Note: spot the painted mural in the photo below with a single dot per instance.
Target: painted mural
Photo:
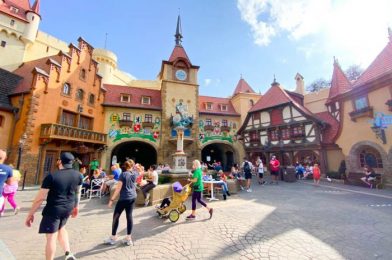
(135, 128)
(217, 131)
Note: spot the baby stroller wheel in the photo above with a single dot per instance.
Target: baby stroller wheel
(174, 215)
(182, 208)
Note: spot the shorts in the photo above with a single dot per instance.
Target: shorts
(275, 173)
(261, 174)
(51, 224)
(248, 175)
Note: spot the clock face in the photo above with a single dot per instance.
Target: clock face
(181, 75)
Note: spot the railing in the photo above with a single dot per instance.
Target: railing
(363, 112)
(123, 122)
(63, 132)
(225, 128)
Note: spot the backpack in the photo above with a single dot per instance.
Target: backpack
(247, 167)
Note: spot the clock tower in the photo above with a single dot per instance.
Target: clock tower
(179, 88)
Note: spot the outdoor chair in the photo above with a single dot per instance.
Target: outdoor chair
(96, 188)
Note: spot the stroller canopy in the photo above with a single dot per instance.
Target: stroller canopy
(177, 187)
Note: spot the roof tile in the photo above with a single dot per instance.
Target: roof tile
(8, 82)
(332, 130)
(339, 83)
(243, 87)
(216, 108)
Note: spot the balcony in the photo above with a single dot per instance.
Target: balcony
(63, 132)
(148, 124)
(123, 122)
(208, 128)
(363, 112)
(225, 128)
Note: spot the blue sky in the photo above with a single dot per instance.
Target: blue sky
(227, 38)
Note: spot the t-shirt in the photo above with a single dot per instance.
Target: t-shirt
(274, 164)
(5, 174)
(154, 176)
(62, 186)
(94, 165)
(260, 166)
(116, 173)
(198, 185)
(128, 189)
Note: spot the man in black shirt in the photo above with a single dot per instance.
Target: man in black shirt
(62, 193)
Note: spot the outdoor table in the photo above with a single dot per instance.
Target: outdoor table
(212, 188)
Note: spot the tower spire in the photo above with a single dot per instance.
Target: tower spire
(178, 34)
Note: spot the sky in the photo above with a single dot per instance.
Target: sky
(229, 39)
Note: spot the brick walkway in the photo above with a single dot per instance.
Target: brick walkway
(285, 221)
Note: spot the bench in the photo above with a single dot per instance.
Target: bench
(156, 195)
(354, 178)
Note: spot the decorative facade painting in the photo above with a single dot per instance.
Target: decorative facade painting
(217, 130)
(134, 128)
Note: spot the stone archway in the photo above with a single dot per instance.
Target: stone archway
(139, 151)
(353, 161)
(219, 152)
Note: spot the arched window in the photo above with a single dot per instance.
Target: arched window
(91, 99)
(66, 89)
(370, 156)
(82, 75)
(80, 94)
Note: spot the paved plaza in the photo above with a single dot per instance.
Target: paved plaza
(285, 221)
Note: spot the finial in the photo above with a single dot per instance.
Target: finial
(106, 39)
(274, 79)
(390, 34)
(178, 34)
(241, 76)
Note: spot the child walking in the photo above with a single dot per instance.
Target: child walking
(9, 192)
(316, 174)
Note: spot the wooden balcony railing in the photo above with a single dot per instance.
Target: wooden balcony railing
(63, 132)
(225, 128)
(123, 122)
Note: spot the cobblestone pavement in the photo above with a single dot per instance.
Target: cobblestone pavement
(285, 221)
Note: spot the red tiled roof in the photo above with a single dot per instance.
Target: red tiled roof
(216, 108)
(113, 97)
(22, 5)
(340, 83)
(332, 130)
(273, 97)
(36, 6)
(243, 87)
(381, 65)
(179, 52)
(26, 71)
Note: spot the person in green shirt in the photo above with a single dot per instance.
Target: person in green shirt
(197, 190)
(94, 164)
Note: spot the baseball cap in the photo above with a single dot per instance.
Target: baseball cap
(67, 159)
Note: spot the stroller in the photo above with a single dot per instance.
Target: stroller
(177, 206)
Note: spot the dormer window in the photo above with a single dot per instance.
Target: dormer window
(223, 107)
(361, 103)
(146, 100)
(208, 106)
(14, 9)
(66, 89)
(125, 98)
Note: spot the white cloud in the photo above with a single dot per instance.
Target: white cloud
(354, 30)
(207, 82)
(211, 82)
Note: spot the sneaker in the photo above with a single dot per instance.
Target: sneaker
(69, 256)
(264, 182)
(224, 197)
(228, 193)
(109, 241)
(127, 242)
(191, 217)
(329, 179)
(242, 188)
(157, 207)
(249, 190)
(16, 211)
(211, 211)
(146, 202)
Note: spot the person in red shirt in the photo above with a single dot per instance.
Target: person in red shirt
(316, 174)
(275, 169)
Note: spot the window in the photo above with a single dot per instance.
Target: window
(126, 116)
(224, 122)
(80, 94)
(371, 157)
(146, 100)
(67, 118)
(208, 121)
(91, 99)
(297, 131)
(209, 106)
(14, 9)
(3, 43)
(66, 89)
(85, 122)
(12, 22)
(254, 137)
(285, 133)
(1, 121)
(361, 103)
(148, 118)
(274, 135)
(223, 107)
(251, 103)
(82, 74)
(125, 98)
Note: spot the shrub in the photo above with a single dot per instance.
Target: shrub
(164, 179)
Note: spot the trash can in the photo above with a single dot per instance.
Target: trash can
(289, 174)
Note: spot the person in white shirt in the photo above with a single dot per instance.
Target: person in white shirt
(260, 170)
(152, 181)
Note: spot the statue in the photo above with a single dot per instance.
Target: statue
(181, 118)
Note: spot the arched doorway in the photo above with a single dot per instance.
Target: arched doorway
(140, 152)
(219, 152)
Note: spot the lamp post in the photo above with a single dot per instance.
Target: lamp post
(22, 141)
